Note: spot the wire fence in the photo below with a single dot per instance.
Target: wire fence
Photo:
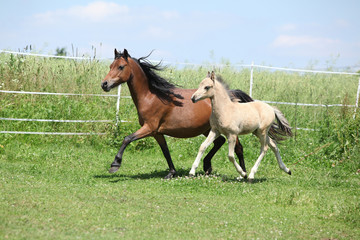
(118, 95)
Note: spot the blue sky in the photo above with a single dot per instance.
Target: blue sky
(278, 33)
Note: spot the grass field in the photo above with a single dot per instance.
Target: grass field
(57, 187)
(58, 190)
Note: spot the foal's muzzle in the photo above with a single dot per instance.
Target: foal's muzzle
(193, 99)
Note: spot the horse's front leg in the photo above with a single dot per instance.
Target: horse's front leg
(144, 131)
(217, 145)
(165, 150)
(213, 134)
(218, 142)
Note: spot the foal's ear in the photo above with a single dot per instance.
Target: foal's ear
(208, 75)
(212, 76)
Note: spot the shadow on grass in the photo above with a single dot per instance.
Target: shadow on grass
(181, 173)
(225, 178)
(117, 177)
(257, 180)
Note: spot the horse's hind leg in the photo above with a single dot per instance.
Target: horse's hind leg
(240, 153)
(275, 149)
(207, 159)
(263, 149)
(165, 150)
(232, 141)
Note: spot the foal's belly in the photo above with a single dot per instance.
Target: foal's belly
(234, 127)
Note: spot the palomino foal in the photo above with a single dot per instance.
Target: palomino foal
(232, 118)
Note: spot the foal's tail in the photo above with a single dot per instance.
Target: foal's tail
(280, 129)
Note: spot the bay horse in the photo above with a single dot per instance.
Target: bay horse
(231, 119)
(163, 108)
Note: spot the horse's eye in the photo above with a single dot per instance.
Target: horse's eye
(207, 88)
(121, 67)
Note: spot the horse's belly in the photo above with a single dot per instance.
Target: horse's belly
(187, 121)
(185, 132)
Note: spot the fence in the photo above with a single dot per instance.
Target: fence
(64, 121)
(118, 96)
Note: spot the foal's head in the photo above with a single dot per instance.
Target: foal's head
(206, 88)
(119, 73)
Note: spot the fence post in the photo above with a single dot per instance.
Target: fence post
(357, 99)
(118, 105)
(251, 78)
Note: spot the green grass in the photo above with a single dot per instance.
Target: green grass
(57, 187)
(62, 190)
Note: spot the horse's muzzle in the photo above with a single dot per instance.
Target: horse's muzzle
(105, 86)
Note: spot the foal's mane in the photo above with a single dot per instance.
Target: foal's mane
(226, 87)
(157, 84)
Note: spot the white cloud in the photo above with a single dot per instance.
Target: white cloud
(170, 14)
(286, 41)
(98, 11)
(342, 23)
(288, 27)
(313, 47)
(93, 12)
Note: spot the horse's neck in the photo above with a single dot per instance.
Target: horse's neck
(138, 85)
(220, 101)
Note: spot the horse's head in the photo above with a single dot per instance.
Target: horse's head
(206, 88)
(119, 73)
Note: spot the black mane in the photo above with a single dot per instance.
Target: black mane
(157, 84)
(235, 95)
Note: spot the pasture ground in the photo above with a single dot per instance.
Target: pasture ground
(59, 188)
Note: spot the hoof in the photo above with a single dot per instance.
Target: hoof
(250, 180)
(113, 169)
(170, 175)
(208, 172)
(191, 175)
(289, 172)
(239, 178)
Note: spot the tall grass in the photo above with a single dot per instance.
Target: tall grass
(21, 73)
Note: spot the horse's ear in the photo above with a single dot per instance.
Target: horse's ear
(126, 54)
(212, 76)
(208, 75)
(116, 53)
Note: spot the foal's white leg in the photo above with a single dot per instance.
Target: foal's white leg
(232, 142)
(213, 134)
(263, 149)
(275, 149)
